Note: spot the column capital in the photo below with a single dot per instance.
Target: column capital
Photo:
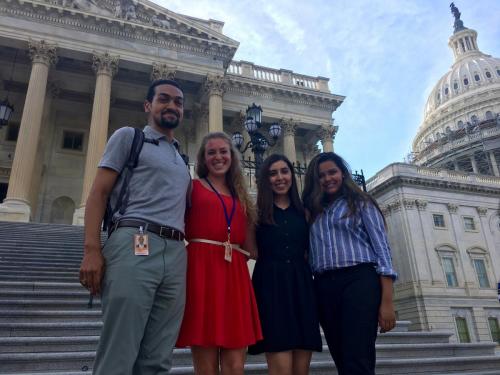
(289, 127)
(215, 84)
(327, 133)
(104, 63)
(481, 211)
(421, 204)
(162, 71)
(42, 52)
(452, 207)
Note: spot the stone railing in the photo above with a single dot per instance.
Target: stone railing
(431, 152)
(280, 76)
(410, 170)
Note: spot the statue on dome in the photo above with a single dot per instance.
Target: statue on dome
(459, 24)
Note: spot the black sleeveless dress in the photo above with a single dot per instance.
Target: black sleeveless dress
(283, 286)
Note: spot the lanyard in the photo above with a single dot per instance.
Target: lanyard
(229, 218)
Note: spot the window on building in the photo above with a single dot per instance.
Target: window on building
(488, 74)
(72, 140)
(438, 221)
(482, 275)
(476, 77)
(462, 329)
(474, 119)
(455, 85)
(466, 81)
(12, 132)
(469, 223)
(460, 124)
(494, 329)
(449, 271)
(498, 72)
(446, 91)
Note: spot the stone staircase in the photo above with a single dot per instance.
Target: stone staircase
(46, 326)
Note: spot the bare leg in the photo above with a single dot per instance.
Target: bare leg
(280, 363)
(301, 362)
(232, 361)
(205, 360)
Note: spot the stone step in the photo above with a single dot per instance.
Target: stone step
(50, 329)
(48, 293)
(41, 316)
(50, 304)
(39, 285)
(82, 361)
(428, 350)
(39, 265)
(41, 257)
(33, 269)
(71, 277)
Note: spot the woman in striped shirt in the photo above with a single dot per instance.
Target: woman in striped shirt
(351, 261)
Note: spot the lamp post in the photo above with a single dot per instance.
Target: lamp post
(258, 142)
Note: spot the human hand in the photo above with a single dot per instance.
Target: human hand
(92, 271)
(386, 317)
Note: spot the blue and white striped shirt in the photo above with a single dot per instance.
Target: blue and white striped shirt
(338, 241)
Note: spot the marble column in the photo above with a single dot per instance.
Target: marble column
(474, 164)
(455, 165)
(162, 71)
(105, 66)
(327, 135)
(17, 206)
(494, 164)
(289, 127)
(214, 87)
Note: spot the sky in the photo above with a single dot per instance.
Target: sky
(384, 56)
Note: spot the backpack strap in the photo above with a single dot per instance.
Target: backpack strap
(132, 161)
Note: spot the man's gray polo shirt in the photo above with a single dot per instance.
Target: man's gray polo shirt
(158, 186)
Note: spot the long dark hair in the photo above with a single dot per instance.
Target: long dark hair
(265, 195)
(313, 196)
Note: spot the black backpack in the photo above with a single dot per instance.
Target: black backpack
(133, 159)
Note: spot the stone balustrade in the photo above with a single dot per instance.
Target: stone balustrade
(413, 171)
(281, 76)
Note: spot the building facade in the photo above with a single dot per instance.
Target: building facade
(443, 211)
(76, 70)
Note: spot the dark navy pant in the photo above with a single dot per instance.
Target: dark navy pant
(348, 303)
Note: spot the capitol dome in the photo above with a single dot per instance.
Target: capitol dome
(461, 126)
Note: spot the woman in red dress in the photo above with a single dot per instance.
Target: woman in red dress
(221, 316)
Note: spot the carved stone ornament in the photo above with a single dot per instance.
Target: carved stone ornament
(53, 89)
(452, 207)
(395, 205)
(481, 211)
(42, 52)
(386, 210)
(409, 203)
(215, 85)
(421, 204)
(89, 6)
(289, 127)
(162, 71)
(105, 63)
(327, 133)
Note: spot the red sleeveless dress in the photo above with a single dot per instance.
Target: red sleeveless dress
(220, 303)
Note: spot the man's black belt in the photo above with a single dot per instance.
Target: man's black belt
(165, 232)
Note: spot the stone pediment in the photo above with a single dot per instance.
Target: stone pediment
(148, 14)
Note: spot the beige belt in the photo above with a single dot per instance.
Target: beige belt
(233, 245)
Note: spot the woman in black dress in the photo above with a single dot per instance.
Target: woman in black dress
(282, 278)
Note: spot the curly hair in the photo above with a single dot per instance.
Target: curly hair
(234, 176)
(265, 195)
(313, 196)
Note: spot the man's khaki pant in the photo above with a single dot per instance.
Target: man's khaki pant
(142, 303)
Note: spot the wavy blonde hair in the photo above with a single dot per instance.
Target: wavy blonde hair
(234, 176)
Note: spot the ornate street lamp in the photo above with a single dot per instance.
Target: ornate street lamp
(6, 110)
(258, 142)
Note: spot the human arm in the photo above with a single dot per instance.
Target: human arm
(386, 314)
(92, 266)
(250, 244)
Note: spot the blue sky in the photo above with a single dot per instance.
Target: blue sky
(383, 55)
